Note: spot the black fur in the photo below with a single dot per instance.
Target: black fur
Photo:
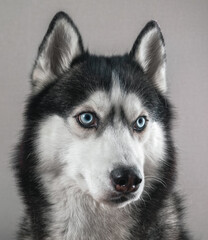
(88, 73)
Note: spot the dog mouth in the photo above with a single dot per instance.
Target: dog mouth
(119, 199)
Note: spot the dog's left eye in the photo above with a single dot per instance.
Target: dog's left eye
(140, 123)
(87, 120)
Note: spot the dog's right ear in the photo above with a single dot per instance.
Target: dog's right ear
(61, 44)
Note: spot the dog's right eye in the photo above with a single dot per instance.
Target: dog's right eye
(87, 120)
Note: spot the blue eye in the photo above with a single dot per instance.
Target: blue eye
(140, 123)
(87, 120)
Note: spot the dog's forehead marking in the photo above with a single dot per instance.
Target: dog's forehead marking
(117, 94)
(117, 99)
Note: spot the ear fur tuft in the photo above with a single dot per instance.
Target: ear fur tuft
(149, 52)
(61, 44)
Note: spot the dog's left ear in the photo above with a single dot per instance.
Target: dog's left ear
(61, 44)
(149, 51)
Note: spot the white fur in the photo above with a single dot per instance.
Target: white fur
(143, 58)
(142, 50)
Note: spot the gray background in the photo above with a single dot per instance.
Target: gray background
(110, 27)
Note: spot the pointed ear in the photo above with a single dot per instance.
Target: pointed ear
(61, 44)
(149, 51)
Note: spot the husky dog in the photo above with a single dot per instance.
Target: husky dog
(96, 159)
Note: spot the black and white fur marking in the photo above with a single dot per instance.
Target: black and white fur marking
(67, 173)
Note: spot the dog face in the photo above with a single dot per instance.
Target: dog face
(99, 121)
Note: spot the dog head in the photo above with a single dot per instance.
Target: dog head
(99, 122)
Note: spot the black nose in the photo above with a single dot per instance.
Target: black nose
(125, 179)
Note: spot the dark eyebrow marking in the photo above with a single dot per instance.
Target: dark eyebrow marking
(108, 120)
(125, 121)
(110, 116)
(123, 117)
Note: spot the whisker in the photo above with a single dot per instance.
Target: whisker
(145, 192)
(156, 179)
